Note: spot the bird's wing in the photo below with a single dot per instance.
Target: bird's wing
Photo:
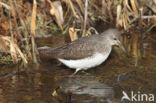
(75, 51)
(78, 49)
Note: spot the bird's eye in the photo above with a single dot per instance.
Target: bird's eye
(115, 39)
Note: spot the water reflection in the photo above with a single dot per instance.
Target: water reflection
(104, 84)
(86, 85)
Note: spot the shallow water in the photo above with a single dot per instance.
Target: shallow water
(50, 83)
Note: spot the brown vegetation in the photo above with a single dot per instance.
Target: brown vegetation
(21, 21)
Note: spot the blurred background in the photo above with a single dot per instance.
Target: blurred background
(26, 25)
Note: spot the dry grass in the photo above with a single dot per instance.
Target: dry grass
(33, 19)
(73, 34)
(22, 21)
(55, 10)
(8, 46)
(33, 30)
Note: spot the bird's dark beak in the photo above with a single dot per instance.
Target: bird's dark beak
(123, 49)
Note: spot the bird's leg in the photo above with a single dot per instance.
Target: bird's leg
(76, 71)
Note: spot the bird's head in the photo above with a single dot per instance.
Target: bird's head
(113, 37)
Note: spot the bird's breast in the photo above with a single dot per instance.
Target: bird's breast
(87, 62)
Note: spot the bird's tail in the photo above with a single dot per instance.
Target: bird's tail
(46, 52)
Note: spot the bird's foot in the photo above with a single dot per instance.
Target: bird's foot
(85, 72)
(77, 70)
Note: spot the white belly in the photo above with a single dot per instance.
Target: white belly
(86, 63)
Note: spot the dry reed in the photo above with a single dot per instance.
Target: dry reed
(70, 15)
